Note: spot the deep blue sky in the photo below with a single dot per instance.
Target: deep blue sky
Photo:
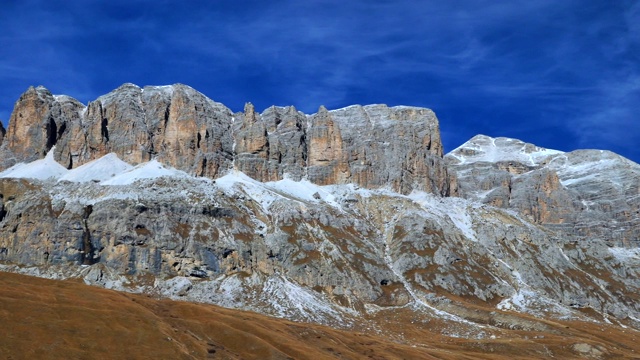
(560, 74)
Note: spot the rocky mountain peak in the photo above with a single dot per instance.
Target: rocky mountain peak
(482, 148)
(250, 114)
(574, 192)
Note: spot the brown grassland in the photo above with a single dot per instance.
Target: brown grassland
(49, 319)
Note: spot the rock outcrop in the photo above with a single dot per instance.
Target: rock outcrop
(583, 194)
(372, 146)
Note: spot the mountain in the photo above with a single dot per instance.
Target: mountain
(345, 218)
(588, 194)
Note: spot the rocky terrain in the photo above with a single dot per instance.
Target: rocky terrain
(587, 194)
(351, 218)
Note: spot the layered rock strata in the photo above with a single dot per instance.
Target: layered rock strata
(372, 146)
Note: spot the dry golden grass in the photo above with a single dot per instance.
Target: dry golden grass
(47, 319)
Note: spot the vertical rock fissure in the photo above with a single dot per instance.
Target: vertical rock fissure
(87, 251)
(3, 212)
(167, 113)
(61, 130)
(203, 167)
(104, 129)
(52, 134)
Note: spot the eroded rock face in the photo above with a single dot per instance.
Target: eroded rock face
(577, 193)
(372, 146)
(378, 145)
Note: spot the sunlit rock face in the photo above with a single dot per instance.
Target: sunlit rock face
(583, 193)
(372, 146)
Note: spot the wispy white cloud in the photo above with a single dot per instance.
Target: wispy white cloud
(483, 63)
(611, 118)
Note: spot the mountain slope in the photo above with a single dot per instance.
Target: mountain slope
(48, 319)
(326, 254)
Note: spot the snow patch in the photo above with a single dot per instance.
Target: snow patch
(149, 170)
(303, 190)
(267, 193)
(42, 169)
(236, 181)
(291, 300)
(624, 255)
(100, 169)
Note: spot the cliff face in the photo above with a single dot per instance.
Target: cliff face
(176, 124)
(372, 146)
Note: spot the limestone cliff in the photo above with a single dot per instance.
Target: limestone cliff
(372, 146)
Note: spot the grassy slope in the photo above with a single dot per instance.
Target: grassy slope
(47, 319)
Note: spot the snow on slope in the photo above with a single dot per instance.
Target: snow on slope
(100, 169)
(109, 169)
(42, 169)
(594, 166)
(267, 193)
(483, 148)
(255, 189)
(149, 170)
(275, 295)
(625, 255)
